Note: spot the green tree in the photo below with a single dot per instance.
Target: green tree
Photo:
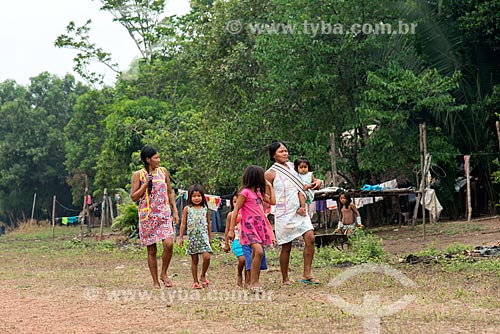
(83, 136)
(141, 18)
(32, 143)
(397, 101)
(129, 125)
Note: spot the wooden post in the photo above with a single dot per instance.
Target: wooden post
(111, 213)
(436, 218)
(84, 209)
(103, 211)
(468, 196)
(53, 217)
(424, 175)
(33, 207)
(497, 123)
(421, 187)
(333, 158)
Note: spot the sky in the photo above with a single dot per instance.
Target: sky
(28, 29)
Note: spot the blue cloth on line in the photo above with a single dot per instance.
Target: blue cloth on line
(368, 187)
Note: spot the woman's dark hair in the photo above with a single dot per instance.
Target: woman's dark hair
(273, 147)
(348, 200)
(147, 152)
(198, 188)
(253, 177)
(234, 194)
(300, 160)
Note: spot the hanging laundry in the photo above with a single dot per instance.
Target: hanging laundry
(213, 202)
(368, 187)
(331, 204)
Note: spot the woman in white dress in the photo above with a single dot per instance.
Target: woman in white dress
(289, 224)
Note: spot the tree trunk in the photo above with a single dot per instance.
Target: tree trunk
(492, 199)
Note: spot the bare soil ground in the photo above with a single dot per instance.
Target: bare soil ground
(46, 287)
(406, 239)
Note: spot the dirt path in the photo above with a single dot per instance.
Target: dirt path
(38, 311)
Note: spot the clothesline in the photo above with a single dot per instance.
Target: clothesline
(66, 207)
(461, 155)
(68, 220)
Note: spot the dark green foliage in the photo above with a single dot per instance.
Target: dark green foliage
(128, 220)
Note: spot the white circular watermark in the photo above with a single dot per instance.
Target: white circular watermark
(371, 309)
(234, 27)
(91, 293)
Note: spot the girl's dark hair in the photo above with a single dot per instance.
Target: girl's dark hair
(348, 199)
(198, 188)
(253, 177)
(273, 147)
(147, 152)
(233, 195)
(300, 160)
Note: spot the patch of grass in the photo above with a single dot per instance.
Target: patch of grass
(472, 228)
(430, 250)
(366, 247)
(456, 249)
(453, 230)
(465, 263)
(454, 258)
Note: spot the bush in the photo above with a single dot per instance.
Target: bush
(366, 247)
(128, 220)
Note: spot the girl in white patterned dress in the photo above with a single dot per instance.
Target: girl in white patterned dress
(196, 218)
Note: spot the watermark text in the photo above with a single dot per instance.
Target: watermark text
(314, 29)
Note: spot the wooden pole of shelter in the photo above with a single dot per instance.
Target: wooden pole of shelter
(497, 123)
(425, 166)
(111, 213)
(84, 209)
(53, 217)
(33, 207)
(105, 207)
(103, 211)
(421, 187)
(103, 215)
(468, 200)
(424, 175)
(333, 159)
(434, 200)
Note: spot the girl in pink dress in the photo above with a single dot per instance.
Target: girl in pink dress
(255, 229)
